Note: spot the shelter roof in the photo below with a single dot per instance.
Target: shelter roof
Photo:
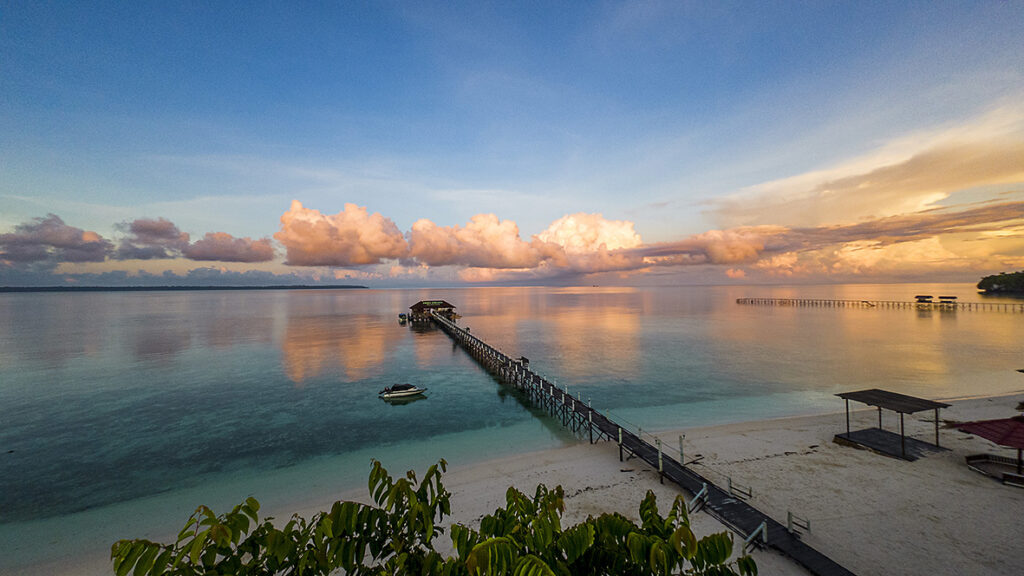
(892, 401)
(1005, 431)
(424, 304)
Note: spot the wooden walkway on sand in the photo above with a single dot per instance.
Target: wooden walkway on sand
(941, 306)
(581, 417)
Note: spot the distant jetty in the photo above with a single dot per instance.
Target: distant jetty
(1005, 283)
(172, 288)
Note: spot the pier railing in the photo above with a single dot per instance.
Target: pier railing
(1012, 307)
(579, 416)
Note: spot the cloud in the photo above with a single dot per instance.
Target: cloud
(578, 233)
(734, 246)
(49, 241)
(902, 177)
(493, 250)
(224, 247)
(149, 239)
(352, 237)
(988, 217)
(485, 242)
(932, 241)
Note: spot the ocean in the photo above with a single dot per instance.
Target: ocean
(120, 412)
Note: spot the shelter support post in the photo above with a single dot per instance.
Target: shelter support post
(847, 417)
(903, 438)
(936, 426)
(879, 417)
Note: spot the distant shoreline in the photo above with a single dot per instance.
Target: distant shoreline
(171, 288)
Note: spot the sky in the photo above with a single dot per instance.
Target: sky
(421, 143)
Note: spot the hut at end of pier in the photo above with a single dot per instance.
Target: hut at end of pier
(421, 311)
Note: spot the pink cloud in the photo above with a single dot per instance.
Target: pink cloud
(223, 247)
(150, 239)
(50, 240)
(734, 246)
(352, 237)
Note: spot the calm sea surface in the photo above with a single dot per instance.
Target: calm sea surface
(120, 412)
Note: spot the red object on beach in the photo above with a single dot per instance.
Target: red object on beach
(1005, 431)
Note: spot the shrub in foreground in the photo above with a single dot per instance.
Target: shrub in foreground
(395, 536)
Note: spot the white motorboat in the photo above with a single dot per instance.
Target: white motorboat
(401, 391)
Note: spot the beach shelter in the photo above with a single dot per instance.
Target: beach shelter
(898, 445)
(1007, 432)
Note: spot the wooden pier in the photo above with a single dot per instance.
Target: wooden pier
(579, 416)
(940, 306)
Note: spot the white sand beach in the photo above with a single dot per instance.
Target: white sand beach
(871, 513)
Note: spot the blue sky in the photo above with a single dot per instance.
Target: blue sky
(217, 116)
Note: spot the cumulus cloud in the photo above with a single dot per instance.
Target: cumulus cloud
(49, 241)
(485, 242)
(582, 232)
(590, 243)
(223, 247)
(493, 250)
(576, 243)
(149, 239)
(352, 237)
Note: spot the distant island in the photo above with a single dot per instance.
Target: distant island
(173, 288)
(1012, 283)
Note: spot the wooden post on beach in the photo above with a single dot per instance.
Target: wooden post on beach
(682, 461)
(903, 438)
(590, 424)
(661, 466)
(620, 443)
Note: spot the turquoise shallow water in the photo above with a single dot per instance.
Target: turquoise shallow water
(120, 412)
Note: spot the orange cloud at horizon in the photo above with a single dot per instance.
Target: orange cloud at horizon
(903, 177)
(979, 236)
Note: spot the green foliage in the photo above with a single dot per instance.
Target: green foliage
(395, 536)
(1010, 283)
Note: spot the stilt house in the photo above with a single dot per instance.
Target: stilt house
(420, 311)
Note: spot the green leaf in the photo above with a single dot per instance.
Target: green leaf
(196, 548)
(684, 542)
(145, 561)
(639, 547)
(128, 560)
(575, 541)
(531, 565)
(746, 565)
(653, 523)
(161, 562)
(493, 556)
